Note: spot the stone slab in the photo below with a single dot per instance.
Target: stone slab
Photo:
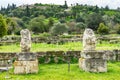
(26, 57)
(25, 67)
(93, 54)
(93, 65)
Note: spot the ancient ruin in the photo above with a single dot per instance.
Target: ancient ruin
(26, 62)
(89, 40)
(25, 43)
(91, 60)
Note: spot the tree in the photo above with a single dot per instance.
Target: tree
(65, 5)
(3, 26)
(51, 21)
(14, 25)
(37, 25)
(106, 7)
(94, 20)
(59, 29)
(117, 28)
(102, 29)
(80, 27)
(27, 11)
(71, 24)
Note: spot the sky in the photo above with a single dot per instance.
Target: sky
(113, 4)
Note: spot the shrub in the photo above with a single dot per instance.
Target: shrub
(59, 29)
(80, 27)
(116, 29)
(37, 25)
(102, 29)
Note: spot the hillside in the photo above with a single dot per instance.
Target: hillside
(76, 17)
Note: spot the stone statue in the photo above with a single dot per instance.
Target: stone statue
(89, 40)
(25, 43)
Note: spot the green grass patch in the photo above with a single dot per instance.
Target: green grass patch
(60, 72)
(36, 47)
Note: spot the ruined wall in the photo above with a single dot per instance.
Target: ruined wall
(56, 56)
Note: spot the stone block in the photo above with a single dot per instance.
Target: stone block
(26, 56)
(93, 54)
(93, 65)
(25, 67)
(110, 55)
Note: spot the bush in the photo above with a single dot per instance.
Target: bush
(102, 29)
(37, 25)
(59, 29)
(80, 27)
(117, 28)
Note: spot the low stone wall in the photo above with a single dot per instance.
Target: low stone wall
(49, 40)
(55, 39)
(59, 56)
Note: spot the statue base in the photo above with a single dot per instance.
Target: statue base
(26, 63)
(93, 61)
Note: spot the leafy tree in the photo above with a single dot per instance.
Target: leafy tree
(65, 5)
(94, 20)
(3, 26)
(27, 11)
(117, 18)
(102, 29)
(117, 28)
(80, 27)
(51, 21)
(71, 24)
(14, 25)
(107, 7)
(79, 19)
(37, 25)
(59, 29)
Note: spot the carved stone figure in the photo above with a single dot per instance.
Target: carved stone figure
(89, 40)
(91, 60)
(25, 40)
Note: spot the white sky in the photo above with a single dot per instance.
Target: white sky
(111, 3)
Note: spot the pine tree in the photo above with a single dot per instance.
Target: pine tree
(66, 6)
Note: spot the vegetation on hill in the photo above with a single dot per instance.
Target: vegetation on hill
(28, 16)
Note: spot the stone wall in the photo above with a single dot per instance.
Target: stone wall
(56, 56)
(54, 40)
(49, 40)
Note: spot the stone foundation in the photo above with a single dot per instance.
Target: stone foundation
(93, 61)
(26, 63)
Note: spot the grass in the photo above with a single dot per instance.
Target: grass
(60, 72)
(50, 47)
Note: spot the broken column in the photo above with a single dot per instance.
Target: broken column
(91, 60)
(26, 61)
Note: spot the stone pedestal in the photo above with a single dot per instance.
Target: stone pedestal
(93, 61)
(26, 63)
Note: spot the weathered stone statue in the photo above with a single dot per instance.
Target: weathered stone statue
(25, 43)
(26, 62)
(91, 60)
(89, 40)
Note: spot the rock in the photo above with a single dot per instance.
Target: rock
(25, 43)
(89, 40)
